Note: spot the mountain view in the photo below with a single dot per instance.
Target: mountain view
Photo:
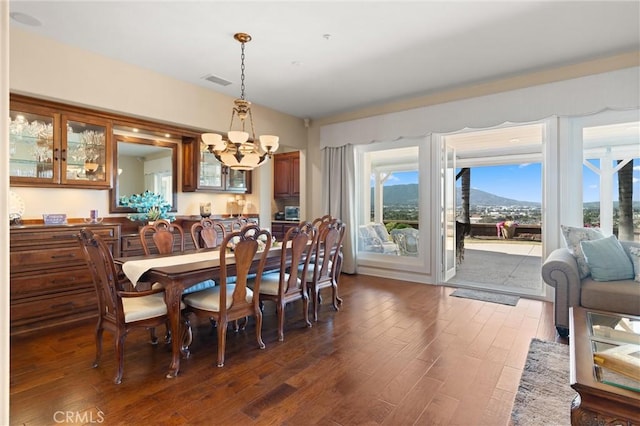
(408, 195)
(401, 203)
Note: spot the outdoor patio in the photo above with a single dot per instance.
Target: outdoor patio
(508, 265)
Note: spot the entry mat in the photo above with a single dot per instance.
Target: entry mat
(486, 296)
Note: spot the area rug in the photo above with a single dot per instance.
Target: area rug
(486, 296)
(544, 395)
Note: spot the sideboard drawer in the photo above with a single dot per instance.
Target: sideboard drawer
(46, 258)
(36, 313)
(29, 285)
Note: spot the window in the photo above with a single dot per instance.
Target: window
(390, 208)
(611, 179)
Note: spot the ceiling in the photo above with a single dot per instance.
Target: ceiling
(317, 59)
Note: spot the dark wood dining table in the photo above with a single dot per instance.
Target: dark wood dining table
(178, 277)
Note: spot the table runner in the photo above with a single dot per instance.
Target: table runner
(134, 269)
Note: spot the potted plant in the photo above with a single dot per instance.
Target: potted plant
(149, 205)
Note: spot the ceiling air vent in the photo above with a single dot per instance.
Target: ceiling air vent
(216, 80)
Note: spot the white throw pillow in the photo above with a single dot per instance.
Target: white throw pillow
(635, 258)
(572, 238)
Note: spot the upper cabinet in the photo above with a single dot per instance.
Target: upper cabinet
(52, 147)
(201, 171)
(286, 175)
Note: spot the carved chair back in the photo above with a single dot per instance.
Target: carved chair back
(241, 222)
(163, 234)
(205, 233)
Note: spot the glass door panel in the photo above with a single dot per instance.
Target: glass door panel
(210, 170)
(84, 152)
(32, 146)
(449, 212)
(236, 180)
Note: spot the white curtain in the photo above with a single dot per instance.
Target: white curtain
(338, 195)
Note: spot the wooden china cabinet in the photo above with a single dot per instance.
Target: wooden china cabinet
(50, 146)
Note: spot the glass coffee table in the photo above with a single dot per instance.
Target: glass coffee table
(605, 367)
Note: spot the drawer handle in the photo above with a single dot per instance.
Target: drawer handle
(63, 256)
(63, 305)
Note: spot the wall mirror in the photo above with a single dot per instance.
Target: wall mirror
(144, 164)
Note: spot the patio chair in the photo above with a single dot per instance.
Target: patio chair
(375, 238)
(407, 240)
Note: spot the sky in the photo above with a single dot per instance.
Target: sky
(523, 182)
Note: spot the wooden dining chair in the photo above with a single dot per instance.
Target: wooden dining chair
(285, 285)
(231, 302)
(241, 222)
(322, 271)
(205, 234)
(317, 222)
(163, 234)
(120, 311)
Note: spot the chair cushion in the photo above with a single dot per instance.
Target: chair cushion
(572, 238)
(310, 270)
(270, 283)
(607, 259)
(144, 307)
(368, 234)
(200, 286)
(613, 296)
(381, 231)
(209, 299)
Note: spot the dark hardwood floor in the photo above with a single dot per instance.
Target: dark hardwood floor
(397, 353)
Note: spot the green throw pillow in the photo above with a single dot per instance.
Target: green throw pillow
(607, 259)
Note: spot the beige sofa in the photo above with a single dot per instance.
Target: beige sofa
(560, 271)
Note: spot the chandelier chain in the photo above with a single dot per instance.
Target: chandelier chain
(242, 72)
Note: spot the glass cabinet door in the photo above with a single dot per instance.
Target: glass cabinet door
(33, 146)
(85, 158)
(237, 180)
(210, 170)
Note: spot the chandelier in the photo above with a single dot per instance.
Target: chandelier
(237, 151)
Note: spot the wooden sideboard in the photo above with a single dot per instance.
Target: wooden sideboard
(50, 283)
